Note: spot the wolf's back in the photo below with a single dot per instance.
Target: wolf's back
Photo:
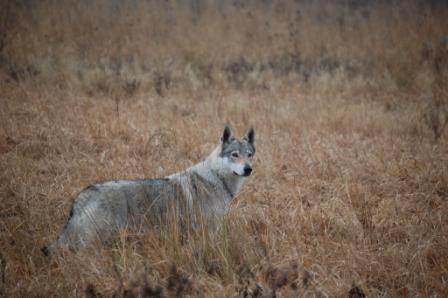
(101, 209)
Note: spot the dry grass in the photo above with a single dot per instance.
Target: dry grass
(349, 191)
(102, 46)
(349, 196)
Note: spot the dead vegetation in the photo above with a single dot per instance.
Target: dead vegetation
(349, 195)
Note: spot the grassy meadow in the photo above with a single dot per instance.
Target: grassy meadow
(349, 100)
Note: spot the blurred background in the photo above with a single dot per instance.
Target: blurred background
(161, 46)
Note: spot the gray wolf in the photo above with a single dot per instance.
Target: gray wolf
(199, 194)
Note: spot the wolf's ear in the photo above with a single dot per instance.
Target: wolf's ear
(226, 135)
(250, 136)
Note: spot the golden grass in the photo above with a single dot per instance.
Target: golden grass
(346, 192)
(349, 192)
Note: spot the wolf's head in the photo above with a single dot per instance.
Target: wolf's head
(236, 155)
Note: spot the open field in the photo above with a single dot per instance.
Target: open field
(349, 195)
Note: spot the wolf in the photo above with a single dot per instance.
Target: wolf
(200, 194)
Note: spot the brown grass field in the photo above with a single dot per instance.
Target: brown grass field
(349, 100)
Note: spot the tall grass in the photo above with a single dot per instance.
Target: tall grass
(348, 99)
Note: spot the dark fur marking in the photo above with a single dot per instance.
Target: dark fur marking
(162, 179)
(70, 215)
(150, 179)
(226, 136)
(45, 251)
(227, 188)
(92, 187)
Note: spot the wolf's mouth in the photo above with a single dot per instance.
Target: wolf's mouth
(241, 175)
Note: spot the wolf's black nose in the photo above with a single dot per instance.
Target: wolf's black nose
(247, 171)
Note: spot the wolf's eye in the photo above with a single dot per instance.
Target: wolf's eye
(250, 154)
(235, 154)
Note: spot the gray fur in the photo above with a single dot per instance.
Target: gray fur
(201, 193)
(243, 147)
